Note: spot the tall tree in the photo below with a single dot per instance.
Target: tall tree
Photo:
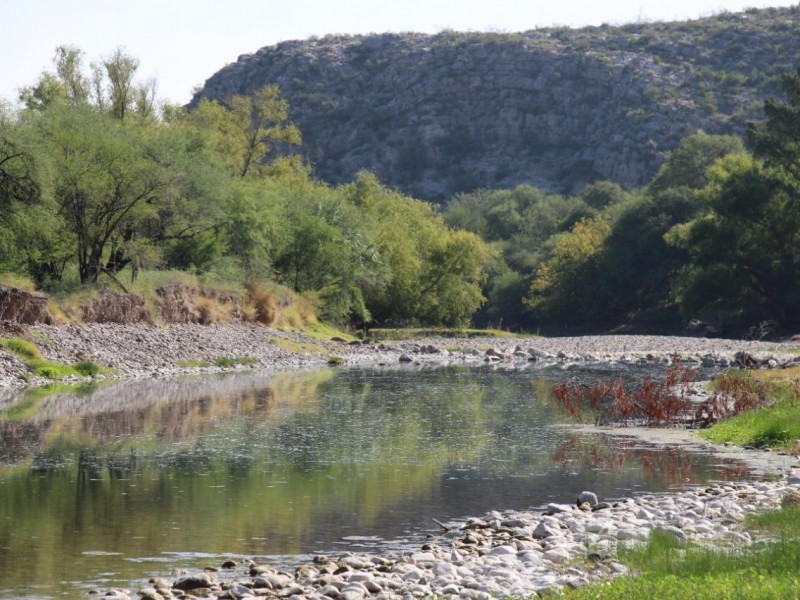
(120, 70)
(105, 180)
(248, 127)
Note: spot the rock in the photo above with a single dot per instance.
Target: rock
(791, 498)
(553, 509)
(193, 582)
(228, 564)
(503, 551)
(405, 358)
(589, 497)
(239, 592)
(543, 531)
(557, 555)
(150, 594)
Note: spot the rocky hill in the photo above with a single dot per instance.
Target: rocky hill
(557, 107)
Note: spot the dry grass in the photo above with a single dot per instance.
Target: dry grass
(261, 304)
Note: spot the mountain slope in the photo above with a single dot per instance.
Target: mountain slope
(558, 108)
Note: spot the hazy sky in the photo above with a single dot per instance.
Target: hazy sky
(183, 42)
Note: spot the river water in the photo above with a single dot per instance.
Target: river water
(108, 486)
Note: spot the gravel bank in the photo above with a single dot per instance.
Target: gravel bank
(141, 350)
(512, 554)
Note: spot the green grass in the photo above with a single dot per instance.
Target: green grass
(297, 347)
(668, 571)
(192, 364)
(29, 354)
(423, 332)
(232, 362)
(325, 332)
(776, 426)
(23, 349)
(768, 427)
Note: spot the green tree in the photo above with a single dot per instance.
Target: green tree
(687, 165)
(565, 290)
(247, 128)
(777, 139)
(744, 263)
(105, 180)
(120, 69)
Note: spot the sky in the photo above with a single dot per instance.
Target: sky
(181, 42)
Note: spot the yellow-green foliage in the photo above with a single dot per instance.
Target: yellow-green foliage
(297, 347)
(377, 333)
(24, 349)
(17, 281)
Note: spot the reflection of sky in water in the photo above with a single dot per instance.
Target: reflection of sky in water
(131, 480)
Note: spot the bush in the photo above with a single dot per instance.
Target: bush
(87, 368)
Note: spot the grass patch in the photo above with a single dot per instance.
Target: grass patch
(325, 332)
(18, 281)
(232, 362)
(297, 347)
(768, 427)
(192, 364)
(412, 333)
(29, 354)
(775, 426)
(336, 360)
(22, 349)
(667, 571)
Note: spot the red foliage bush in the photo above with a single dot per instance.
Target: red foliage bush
(653, 403)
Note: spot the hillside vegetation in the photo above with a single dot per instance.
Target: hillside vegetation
(101, 186)
(557, 108)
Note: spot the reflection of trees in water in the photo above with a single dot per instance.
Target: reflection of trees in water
(674, 464)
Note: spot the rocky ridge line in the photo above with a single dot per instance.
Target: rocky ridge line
(554, 107)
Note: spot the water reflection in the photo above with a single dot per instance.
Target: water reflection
(113, 484)
(673, 465)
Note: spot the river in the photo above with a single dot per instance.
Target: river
(104, 486)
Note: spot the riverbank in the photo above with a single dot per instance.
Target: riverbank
(511, 554)
(147, 351)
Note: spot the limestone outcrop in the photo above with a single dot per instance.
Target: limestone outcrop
(437, 114)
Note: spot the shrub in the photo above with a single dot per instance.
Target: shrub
(652, 403)
(263, 303)
(87, 368)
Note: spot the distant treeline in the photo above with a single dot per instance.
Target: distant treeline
(714, 237)
(98, 181)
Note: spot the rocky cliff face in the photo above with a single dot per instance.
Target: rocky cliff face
(557, 108)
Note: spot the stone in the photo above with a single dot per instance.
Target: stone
(557, 555)
(543, 531)
(150, 594)
(589, 497)
(554, 509)
(193, 582)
